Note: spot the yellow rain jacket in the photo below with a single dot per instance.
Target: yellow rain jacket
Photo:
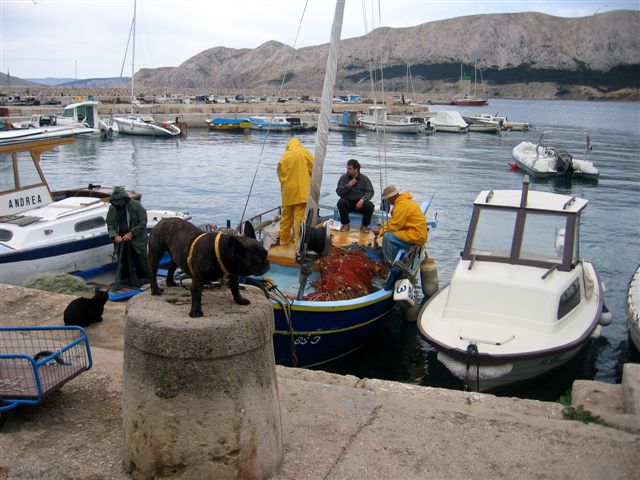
(294, 172)
(407, 221)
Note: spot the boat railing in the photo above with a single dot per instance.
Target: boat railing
(86, 207)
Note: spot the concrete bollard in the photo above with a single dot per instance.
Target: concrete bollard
(200, 395)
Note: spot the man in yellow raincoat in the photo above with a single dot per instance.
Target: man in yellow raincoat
(294, 172)
(407, 225)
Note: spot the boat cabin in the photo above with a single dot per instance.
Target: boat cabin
(525, 228)
(22, 183)
(82, 112)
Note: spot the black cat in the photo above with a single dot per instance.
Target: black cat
(85, 311)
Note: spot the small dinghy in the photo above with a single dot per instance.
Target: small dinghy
(521, 300)
(548, 161)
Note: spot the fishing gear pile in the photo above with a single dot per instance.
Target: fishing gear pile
(346, 275)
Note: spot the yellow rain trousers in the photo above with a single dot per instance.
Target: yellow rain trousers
(294, 172)
(407, 221)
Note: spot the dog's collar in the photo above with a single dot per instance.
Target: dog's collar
(190, 256)
(217, 249)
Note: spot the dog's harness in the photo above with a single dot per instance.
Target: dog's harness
(217, 251)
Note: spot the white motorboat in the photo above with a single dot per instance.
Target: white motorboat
(86, 113)
(145, 125)
(540, 160)
(633, 308)
(504, 122)
(449, 121)
(482, 125)
(83, 114)
(44, 231)
(277, 123)
(521, 301)
(377, 119)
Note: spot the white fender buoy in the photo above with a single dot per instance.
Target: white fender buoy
(429, 277)
(605, 316)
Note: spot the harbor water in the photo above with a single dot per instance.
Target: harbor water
(220, 176)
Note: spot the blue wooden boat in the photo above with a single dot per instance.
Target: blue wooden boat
(313, 332)
(316, 323)
(229, 124)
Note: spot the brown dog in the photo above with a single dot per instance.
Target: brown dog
(238, 255)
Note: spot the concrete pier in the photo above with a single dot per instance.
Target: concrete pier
(200, 396)
(333, 427)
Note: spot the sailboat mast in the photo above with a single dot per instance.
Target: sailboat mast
(133, 52)
(322, 134)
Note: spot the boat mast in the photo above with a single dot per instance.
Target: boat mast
(322, 135)
(133, 52)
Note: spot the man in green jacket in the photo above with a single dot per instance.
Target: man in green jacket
(127, 226)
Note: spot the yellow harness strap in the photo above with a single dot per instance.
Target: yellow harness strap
(217, 247)
(189, 257)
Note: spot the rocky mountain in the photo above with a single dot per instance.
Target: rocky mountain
(109, 82)
(600, 51)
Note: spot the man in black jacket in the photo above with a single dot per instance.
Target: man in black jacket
(355, 192)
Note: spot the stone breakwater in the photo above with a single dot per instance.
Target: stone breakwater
(195, 114)
(334, 427)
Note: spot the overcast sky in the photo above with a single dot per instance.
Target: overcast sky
(88, 38)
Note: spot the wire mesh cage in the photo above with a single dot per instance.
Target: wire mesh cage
(35, 361)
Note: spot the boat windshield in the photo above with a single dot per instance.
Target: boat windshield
(542, 238)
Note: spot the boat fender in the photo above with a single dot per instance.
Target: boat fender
(429, 277)
(513, 166)
(404, 294)
(605, 316)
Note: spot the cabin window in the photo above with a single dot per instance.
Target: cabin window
(543, 238)
(90, 224)
(494, 233)
(569, 299)
(28, 174)
(7, 180)
(5, 235)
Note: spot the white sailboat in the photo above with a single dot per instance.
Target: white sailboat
(144, 125)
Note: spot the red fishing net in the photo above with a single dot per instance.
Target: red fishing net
(345, 275)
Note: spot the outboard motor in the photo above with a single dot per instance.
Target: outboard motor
(564, 163)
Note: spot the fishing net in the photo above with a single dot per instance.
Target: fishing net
(346, 274)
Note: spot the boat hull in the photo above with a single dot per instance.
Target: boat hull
(633, 309)
(129, 127)
(470, 103)
(322, 332)
(73, 252)
(399, 127)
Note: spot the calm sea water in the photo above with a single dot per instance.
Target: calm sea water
(210, 174)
